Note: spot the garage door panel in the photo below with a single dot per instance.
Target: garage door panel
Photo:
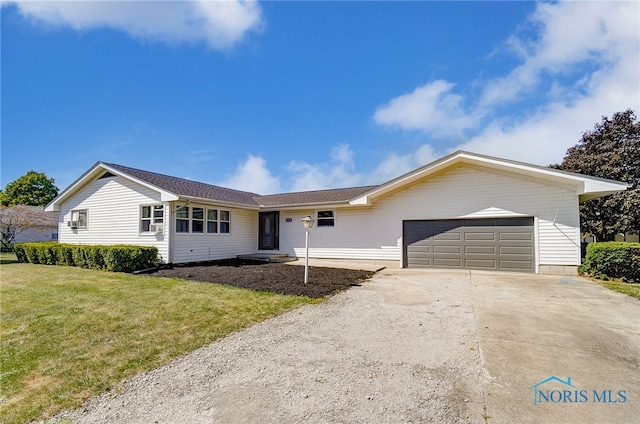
(516, 265)
(499, 244)
(444, 249)
(515, 222)
(421, 248)
(447, 262)
(479, 250)
(453, 236)
(515, 236)
(480, 263)
(516, 250)
(470, 235)
(421, 260)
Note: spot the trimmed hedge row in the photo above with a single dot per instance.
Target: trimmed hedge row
(613, 260)
(107, 258)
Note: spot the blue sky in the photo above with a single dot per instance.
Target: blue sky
(284, 96)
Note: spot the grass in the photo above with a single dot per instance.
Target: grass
(69, 334)
(629, 289)
(8, 258)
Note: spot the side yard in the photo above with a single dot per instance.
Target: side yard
(69, 334)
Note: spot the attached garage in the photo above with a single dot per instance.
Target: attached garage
(502, 244)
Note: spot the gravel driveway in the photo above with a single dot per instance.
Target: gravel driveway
(397, 349)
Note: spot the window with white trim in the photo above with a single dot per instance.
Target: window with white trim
(198, 220)
(151, 215)
(212, 221)
(225, 222)
(78, 219)
(218, 221)
(182, 219)
(326, 219)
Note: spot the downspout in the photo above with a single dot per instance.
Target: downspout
(558, 228)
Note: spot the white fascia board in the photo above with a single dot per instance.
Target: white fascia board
(93, 172)
(592, 189)
(586, 186)
(201, 200)
(433, 167)
(305, 206)
(165, 196)
(54, 205)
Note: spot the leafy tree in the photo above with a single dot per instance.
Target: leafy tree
(17, 219)
(611, 150)
(33, 188)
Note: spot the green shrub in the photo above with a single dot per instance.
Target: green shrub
(79, 256)
(93, 254)
(111, 258)
(619, 260)
(64, 255)
(31, 253)
(127, 258)
(20, 253)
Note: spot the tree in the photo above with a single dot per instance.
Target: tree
(17, 219)
(33, 188)
(611, 150)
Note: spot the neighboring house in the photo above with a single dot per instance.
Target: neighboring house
(35, 225)
(462, 211)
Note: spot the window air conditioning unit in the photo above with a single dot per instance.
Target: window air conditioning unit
(72, 224)
(155, 228)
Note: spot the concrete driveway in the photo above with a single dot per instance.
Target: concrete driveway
(532, 327)
(410, 346)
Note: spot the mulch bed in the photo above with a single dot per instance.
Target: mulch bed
(273, 277)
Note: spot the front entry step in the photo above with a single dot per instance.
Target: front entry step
(267, 257)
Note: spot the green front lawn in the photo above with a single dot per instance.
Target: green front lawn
(629, 289)
(69, 334)
(8, 258)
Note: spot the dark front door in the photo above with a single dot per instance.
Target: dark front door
(269, 231)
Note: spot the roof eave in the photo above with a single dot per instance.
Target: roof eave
(93, 172)
(217, 202)
(309, 205)
(586, 186)
(595, 189)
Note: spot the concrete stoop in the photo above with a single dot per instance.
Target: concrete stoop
(268, 257)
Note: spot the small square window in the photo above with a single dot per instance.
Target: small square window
(153, 214)
(78, 219)
(326, 219)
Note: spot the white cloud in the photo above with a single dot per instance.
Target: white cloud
(581, 62)
(339, 173)
(432, 108)
(253, 176)
(604, 35)
(395, 164)
(220, 24)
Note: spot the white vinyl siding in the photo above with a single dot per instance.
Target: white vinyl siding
(238, 235)
(465, 192)
(113, 208)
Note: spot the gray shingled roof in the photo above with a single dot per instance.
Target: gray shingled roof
(190, 188)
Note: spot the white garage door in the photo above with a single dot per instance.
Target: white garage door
(503, 244)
